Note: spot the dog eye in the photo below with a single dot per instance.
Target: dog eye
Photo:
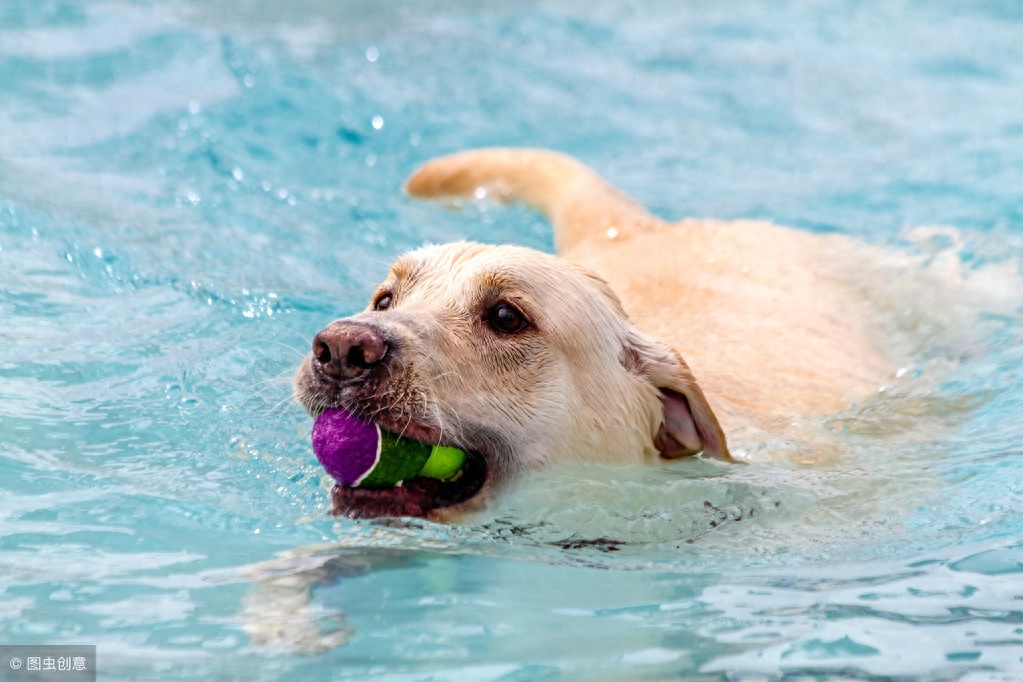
(504, 317)
(383, 302)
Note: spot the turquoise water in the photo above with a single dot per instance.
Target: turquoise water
(190, 190)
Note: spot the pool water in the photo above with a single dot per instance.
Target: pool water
(190, 190)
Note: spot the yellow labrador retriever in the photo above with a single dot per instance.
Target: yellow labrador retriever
(641, 339)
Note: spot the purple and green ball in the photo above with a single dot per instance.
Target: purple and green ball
(358, 453)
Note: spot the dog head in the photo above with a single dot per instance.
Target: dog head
(514, 356)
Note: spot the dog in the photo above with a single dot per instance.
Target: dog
(523, 358)
(641, 339)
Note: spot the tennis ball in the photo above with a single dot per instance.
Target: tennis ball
(358, 453)
(444, 463)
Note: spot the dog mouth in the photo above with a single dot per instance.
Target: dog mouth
(416, 497)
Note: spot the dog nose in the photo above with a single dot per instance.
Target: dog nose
(347, 349)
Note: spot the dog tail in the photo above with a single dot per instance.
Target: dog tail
(578, 202)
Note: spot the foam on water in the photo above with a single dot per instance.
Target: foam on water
(189, 191)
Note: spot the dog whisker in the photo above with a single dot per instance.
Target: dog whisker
(301, 353)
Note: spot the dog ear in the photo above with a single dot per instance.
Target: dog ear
(689, 425)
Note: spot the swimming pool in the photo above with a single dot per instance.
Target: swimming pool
(190, 190)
